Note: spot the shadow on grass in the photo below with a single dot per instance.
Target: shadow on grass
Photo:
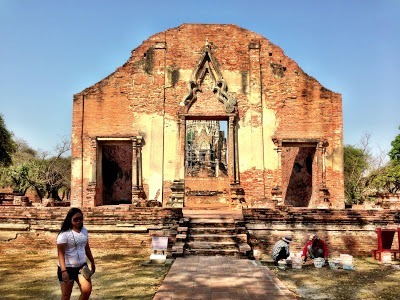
(369, 280)
(119, 275)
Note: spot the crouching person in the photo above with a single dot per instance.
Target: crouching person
(315, 247)
(281, 249)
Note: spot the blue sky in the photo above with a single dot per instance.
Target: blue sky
(51, 50)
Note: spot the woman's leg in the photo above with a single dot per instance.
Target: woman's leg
(66, 289)
(85, 287)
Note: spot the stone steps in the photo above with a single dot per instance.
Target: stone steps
(211, 252)
(212, 221)
(212, 233)
(230, 244)
(213, 213)
(213, 238)
(213, 230)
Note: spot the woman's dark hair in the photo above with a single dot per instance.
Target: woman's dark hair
(67, 224)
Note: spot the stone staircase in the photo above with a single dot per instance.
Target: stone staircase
(211, 232)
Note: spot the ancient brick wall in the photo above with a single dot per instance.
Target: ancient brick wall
(276, 100)
(50, 218)
(35, 228)
(344, 231)
(43, 240)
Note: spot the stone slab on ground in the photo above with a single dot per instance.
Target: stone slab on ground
(220, 277)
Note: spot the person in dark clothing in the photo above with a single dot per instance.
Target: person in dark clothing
(281, 249)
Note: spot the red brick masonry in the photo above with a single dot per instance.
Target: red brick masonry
(345, 231)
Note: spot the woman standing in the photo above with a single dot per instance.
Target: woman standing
(73, 248)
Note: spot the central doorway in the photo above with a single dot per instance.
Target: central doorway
(116, 172)
(206, 163)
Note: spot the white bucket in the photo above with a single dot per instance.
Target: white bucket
(297, 262)
(282, 264)
(386, 258)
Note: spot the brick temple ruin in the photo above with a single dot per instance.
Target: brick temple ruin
(274, 133)
(211, 136)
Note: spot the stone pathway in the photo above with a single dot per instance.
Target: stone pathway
(220, 278)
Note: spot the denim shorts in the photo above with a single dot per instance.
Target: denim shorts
(72, 273)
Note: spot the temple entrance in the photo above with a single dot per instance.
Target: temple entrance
(206, 163)
(116, 172)
(298, 176)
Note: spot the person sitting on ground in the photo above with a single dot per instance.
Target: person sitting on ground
(315, 247)
(281, 249)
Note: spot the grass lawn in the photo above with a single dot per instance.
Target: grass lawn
(369, 281)
(122, 274)
(119, 275)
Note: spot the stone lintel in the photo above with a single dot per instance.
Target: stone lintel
(114, 139)
(289, 142)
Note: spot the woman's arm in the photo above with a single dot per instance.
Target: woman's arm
(89, 255)
(61, 259)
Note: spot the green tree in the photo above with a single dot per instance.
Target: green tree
(394, 153)
(16, 175)
(47, 174)
(387, 178)
(7, 145)
(355, 166)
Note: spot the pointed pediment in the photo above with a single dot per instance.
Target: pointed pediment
(208, 66)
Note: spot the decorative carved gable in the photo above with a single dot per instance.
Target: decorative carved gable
(207, 72)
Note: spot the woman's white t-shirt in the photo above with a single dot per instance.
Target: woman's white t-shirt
(75, 255)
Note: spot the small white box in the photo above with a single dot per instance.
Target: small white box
(158, 258)
(346, 259)
(386, 258)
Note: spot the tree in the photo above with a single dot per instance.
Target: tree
(7, 145)
(358, 164)
(47, 174)
(394, 153)
(15, 175)
(58, 171)
(355, 166)
(387, 178)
